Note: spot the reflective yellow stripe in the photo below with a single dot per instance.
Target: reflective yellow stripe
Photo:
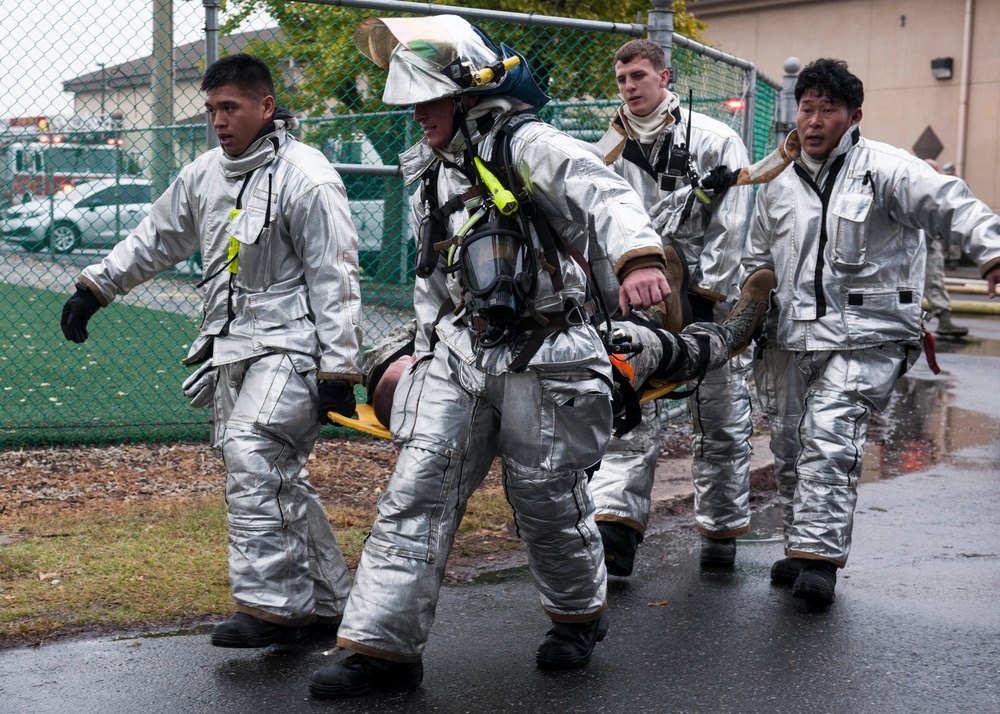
(234, 245)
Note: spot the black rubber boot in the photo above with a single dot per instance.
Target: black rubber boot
(816, 582)
(569, 646)
(243, 630)
(784, 571)
(718, 552)
(360, 674)
(620, 543)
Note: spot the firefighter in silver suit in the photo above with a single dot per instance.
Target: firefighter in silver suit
(280, 330)
(661, 148)
(842, 233)
(507, 361)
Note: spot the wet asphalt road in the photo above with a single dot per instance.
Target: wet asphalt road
(916, 625)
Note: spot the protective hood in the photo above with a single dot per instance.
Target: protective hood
(433, 57)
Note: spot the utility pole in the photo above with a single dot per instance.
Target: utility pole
(660, 29)
(104, 79)
(211, 55)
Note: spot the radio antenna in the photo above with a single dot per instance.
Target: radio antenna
(687, 139)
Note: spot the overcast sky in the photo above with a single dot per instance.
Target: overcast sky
(44, 43)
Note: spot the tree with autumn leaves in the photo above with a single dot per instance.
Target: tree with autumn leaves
(320, 75)
(332, 77)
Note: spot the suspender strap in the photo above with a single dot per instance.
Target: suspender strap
(534, 343)
(433, 232)
(527, 210)
(633, 153)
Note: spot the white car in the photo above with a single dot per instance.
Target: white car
(94, 214)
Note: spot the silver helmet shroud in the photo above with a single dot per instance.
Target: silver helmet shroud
(433, 57)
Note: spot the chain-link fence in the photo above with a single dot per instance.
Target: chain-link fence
(76, 180)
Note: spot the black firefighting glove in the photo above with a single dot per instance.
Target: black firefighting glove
(719, 179)
(335, 395)
(77, 312)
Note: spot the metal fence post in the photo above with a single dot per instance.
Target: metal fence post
(786, 101)
(660, 29)
(749, 110)
(162, 94)
(211, 54)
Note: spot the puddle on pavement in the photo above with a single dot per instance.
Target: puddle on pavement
(917, 430)
(920, 428)
(973, 346)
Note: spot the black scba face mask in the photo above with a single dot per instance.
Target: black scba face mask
(498, 267)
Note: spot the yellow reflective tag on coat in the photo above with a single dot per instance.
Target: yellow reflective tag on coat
(234, 245)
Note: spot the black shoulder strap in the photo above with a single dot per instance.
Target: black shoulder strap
(633, 152)
(433, 228)
(502, 151)
(439, 213)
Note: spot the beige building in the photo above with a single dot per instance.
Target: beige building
(901, 50)
(125, 88)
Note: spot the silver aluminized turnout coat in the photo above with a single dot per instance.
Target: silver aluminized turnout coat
(286, 312)
(296, 286)
(847, 249)
(460, 404)
(848, 253)
(713, 240)
(578, 198)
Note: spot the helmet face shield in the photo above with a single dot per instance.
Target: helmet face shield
(416, 50)
(439, 40)
(413, 80)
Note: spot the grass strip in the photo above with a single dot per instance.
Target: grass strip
(123, 384)
(160, 564)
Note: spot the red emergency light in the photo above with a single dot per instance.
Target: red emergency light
(734, 104)
(29, 121)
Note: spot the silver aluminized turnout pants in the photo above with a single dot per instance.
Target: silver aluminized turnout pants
(284, 562)
(720, 417)
(623, 484)
(720, 448)
(547, 424)
(818, 404)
